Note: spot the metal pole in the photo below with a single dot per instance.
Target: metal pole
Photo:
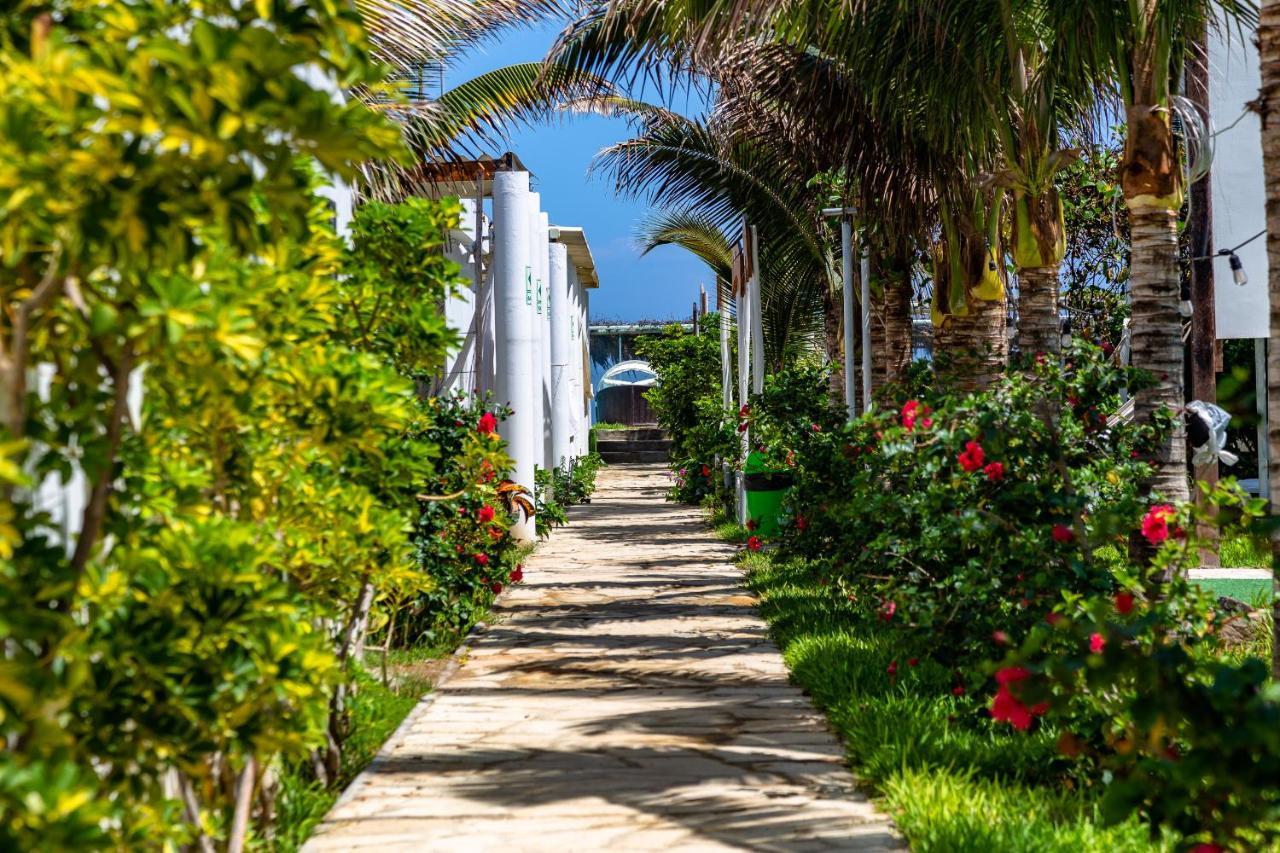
(866, 331)
(846, 258)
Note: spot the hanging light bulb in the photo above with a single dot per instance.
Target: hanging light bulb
(1237, 269)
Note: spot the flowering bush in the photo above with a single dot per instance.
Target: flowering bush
(962, 516)
(793, 409)
(1153, 709)
(461, 539)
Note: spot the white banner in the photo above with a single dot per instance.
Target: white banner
(1239, 200)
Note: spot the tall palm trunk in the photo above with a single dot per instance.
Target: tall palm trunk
(1269, 106)
(1039, 245)
(891, 328)
(974, 347)
(1151, 181)
(1157, 338)
(1039, 329)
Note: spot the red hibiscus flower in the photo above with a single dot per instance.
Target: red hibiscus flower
(958, 690)
(912, 661)
(484, 514)
(1155, 524)
(1097, 643)
(1062, 533)
(1006, 707)
(1207, 848)
(495, 587)
(706, 471)
(744, 412)
(815, 427)
(488, 423)
(802, 523)
(1053, 618)
(926, 421)
(972, 457)
(909, 413)
(517, 574)
(887, 610)
(481, 559)
(892, 669)
(1124, 602)
(752, 524)
(1000, 638)
(994, 471)
(753, 543)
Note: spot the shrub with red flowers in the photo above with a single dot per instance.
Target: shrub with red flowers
(981, 520)
(460, 539)
(1153, 709)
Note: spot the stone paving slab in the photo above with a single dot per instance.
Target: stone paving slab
(624, 697)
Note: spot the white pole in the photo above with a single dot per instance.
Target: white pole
(584, 329)
(562, 411)
(573, 371)
(544, 307)
(866, 331)
(514, 343)
(757, 327)
(533, 295)
(744, 353)
(846, 260)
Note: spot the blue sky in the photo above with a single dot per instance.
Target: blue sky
(660, 286)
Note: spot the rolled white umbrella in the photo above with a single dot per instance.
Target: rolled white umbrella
(514, 342)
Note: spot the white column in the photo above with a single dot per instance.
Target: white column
(515, 345)
(744, 373)
(584, 329)
(846, 268)
(460, 306)
(757, 327)
(533, 295)
(867, 331)
(548, 396)
(581, 358)
(564, 425)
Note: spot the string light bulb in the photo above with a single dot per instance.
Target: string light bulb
(1237, 269)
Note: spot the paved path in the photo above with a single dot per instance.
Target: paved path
(625, 697)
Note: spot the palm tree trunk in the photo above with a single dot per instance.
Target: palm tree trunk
(1269, 107)
(891, 316)
(974, 348)
(1157, 338)
(1039, 326)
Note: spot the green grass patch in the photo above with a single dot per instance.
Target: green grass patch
(950, 778)
(606, 426)
(1249, 590)
(376, 711)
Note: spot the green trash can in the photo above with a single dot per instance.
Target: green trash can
(765, 492)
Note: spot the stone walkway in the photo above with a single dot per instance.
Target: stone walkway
(625, 697)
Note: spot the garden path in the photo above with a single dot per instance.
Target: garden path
(625, 696)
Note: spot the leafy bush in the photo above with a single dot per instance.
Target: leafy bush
(959, 516)
(562, 487)
(687, 403)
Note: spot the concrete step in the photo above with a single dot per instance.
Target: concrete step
(616, 445)
(636, 434)
(634, 457)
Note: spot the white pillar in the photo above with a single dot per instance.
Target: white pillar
(866, 331)
(515, 344)
(581, 357)
(757, 327)
(564, 423)
(460, 306)
(533, 296)
(544, 307)
(584, 328)
(744, 371)
(846, 265)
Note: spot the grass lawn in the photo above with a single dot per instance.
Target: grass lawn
(951, 780)
(1249, 590)
(376, 711)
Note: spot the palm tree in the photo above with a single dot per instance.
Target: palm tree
(1145, 44)
(1269, 106)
